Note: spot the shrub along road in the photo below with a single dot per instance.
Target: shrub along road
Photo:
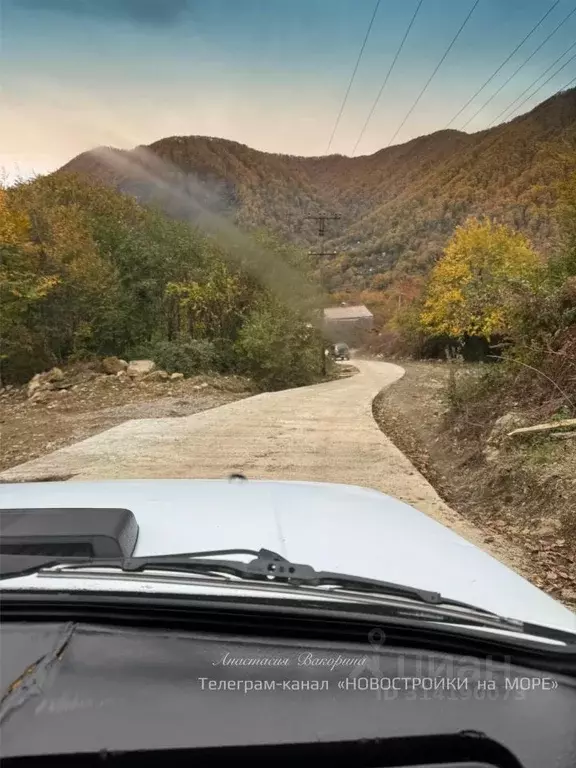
(323, 433)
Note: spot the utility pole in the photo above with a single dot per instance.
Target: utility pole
(322, 218)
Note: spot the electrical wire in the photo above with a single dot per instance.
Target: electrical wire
(394, 60)
(336, 124)
(544, 83)
(532, 84)
(564, 20)
(506, 60)
(413, 107)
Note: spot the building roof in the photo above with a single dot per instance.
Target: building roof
(347, 313)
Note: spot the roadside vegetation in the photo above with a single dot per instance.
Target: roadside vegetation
(503, 317)
(493, 298)
(88, 272)
(491, 284)
(517, 491)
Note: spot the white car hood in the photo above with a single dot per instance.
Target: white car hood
(331, 527)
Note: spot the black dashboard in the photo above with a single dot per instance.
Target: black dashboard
(126, 695)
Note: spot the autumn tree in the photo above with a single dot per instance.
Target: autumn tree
(23, 284)
(86, 270)
(486, 272)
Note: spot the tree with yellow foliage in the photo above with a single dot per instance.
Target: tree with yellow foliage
(22, 284)
(19, 278)
(486, 271)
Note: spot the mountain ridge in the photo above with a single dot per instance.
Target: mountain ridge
(398, 206)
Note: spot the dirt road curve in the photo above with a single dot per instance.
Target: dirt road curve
(321, 433)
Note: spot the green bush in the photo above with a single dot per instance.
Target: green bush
(189, 357)
(279, 350)
(226, 355)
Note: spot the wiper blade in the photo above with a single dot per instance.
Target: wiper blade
(273, 568)
(12, 565)
(266, 565)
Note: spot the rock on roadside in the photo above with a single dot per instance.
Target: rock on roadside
(499, 434)
(140, 367)
(503, 425)
(42, 385)
(157, 376)
(34, 385)
(113, 365)
(56, 374)
(44, 381)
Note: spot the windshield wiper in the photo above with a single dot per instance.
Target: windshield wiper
(273, 568)
(266, 565)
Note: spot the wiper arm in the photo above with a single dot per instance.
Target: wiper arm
(273, 568)
(266, 565)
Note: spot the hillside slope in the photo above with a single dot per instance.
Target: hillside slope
(398, 206)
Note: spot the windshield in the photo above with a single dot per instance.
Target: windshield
(205, 206)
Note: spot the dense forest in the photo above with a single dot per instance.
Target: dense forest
(398, 207)
(86, 271)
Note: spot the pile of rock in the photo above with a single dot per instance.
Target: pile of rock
(146, 370)
(43, 386)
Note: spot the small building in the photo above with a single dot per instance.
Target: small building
(348, 323)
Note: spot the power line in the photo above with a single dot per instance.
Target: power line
(564, 20)
(353, 76)
(553, 75)
(563, 88)
(506, 60)
(413, 107)
(532, 84)
(377, 99)
(498, 135)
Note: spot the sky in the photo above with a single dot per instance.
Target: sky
(75, 74)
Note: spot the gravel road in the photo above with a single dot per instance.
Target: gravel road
(320, 433)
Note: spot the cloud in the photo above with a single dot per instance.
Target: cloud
(139, 11)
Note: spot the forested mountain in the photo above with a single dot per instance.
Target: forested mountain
(398, 206)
